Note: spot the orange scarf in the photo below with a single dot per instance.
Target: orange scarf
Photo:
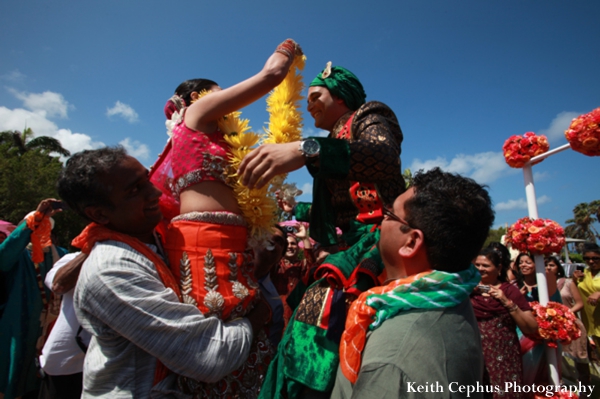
(94, 233)
(360, 316)
(40, 227)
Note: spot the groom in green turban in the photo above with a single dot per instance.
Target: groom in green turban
(342, 84)
(356, 169)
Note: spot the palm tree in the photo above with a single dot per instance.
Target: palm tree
(581, 226)
(595, 209)
(408, 177)
(23, 142)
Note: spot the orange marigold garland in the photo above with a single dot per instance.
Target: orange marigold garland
(518, 150)
(584, 133)
(556, 322)
(538, 236)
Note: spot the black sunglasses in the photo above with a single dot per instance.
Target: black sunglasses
(589, 258)
(387, 212)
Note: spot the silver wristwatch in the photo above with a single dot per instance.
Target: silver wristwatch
(310, 148)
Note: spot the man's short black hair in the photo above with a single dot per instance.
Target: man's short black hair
(591, 247)
(455, 215)
(79, 184)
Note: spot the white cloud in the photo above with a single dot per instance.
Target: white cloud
(312, 132)
(511, 205)
(540, 176)
(75, 142)
(47, 104)
(484, 167)
(558, 125)
(136, 149)
(519, 203)
(543, 199)
(19, 119)
(123, 110)
(13, 76)
(307, 189)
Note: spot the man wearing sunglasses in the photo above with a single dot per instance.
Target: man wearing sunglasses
(416, 335)
(589, 288)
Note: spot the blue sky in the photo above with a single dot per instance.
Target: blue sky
(462, 76)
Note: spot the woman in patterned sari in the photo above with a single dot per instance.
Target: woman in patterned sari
(499, 308)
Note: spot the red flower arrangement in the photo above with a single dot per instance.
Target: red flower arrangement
(556, 322)
(518, 150)
(538, 236)
(584, 133)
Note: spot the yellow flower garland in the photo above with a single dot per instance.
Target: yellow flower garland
(259, 206)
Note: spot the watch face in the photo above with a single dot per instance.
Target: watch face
(310, 148)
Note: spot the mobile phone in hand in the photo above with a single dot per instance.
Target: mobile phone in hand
(59, 205)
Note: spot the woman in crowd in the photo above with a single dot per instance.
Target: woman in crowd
(535, 365)
(207, 241)
(527, 281)
(499, 308)
(293, 269)
(589, 288)
(576, 350)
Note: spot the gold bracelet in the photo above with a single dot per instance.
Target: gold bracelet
(512, 307)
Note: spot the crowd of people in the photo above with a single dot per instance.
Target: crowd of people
(167, 299)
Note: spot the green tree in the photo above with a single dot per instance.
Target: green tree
(408, 177)
(21, 143)
(495, 235)
(26, 178)
(581, 226)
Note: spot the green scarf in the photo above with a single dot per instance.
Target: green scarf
(436, 290)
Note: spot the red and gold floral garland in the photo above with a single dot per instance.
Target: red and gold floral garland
(584, 133)
(518, 150)
(538, 236)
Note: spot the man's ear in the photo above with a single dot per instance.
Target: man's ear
(413, 244)
(97, 213)
(194, 96)
(338, 100)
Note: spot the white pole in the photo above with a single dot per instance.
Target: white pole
(548, 153)
(530, 191)
(540, 269)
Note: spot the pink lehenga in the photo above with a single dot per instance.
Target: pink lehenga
(208, 252)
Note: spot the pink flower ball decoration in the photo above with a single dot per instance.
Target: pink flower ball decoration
(556, 322)
(518, 150)
(584, 133)
(538, 236)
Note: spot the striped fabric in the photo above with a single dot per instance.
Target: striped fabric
(135, 320)
(427, 290)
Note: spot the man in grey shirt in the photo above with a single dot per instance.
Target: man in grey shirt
(127, 298)
(416, 336)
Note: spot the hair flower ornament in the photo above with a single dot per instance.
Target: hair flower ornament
(518, 150)
(584, 133)
(538, 236)
(171, 123)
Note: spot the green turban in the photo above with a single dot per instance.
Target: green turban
(343, 84)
